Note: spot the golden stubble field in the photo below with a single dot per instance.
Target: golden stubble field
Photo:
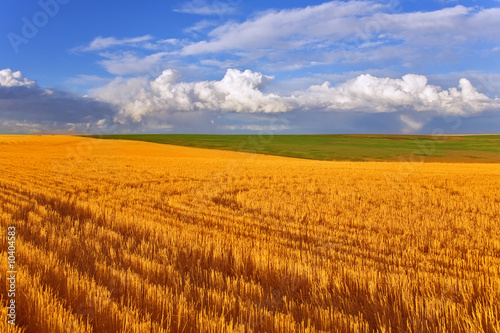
(123, 236)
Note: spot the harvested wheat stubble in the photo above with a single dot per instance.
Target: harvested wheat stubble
(120, 236)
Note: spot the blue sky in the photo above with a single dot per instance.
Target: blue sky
(237, 66)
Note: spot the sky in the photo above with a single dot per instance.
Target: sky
(257, 67)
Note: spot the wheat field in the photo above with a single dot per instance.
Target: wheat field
(121, 236)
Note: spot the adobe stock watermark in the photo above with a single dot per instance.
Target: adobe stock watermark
(12, 276)
(31, 25)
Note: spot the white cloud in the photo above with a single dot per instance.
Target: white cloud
(412, 126)
(168, 104)
(200, 26)
(237, 91)
(171, 41)
(101, 43)
(128, 63)
(488, 83)
(121, 90)
(445, 28)
(217, 63)
(8, 78)
(201, 7)
(289, 29)
(365, 34)
(373, 94)
(241, 92)
(353, 31)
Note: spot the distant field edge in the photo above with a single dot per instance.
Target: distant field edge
(470, 148)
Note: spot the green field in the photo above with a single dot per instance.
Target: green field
(467, 148)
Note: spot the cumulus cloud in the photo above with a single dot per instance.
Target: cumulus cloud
(242, 92)
(167, 103)
(237, 91)
(8, 78)
(489, 83)
(373, 94)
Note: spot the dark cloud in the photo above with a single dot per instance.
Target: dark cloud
(17, 93)
(51, 110)
(27, 108)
